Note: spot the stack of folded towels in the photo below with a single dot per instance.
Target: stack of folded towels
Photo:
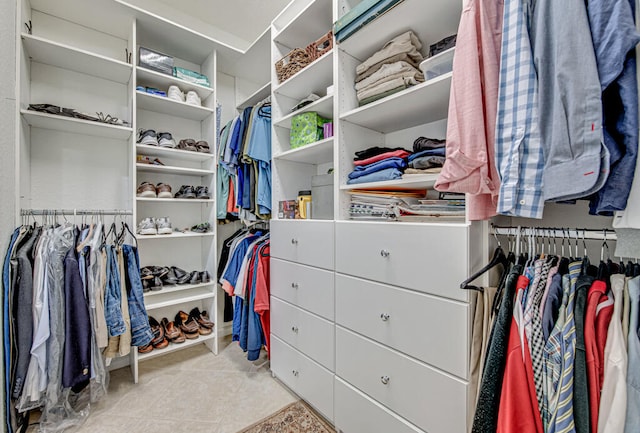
(428, 156)
(390, 70)
(377, 164)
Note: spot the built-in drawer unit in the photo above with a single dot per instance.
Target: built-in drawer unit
(306, 242)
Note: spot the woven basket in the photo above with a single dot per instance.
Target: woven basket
(292, 63)
(320, 47)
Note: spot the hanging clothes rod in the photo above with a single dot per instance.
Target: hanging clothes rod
(37, 212)
(558, 233)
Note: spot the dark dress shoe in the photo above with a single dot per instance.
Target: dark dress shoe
(158, 332)
(180, 338)
(156, 284)
(199, 317)
(205, 277)
(195, 278)
(187, 324)
(162, 344)
(169, 278)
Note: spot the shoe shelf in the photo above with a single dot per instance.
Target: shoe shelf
(76, 126)
(161, 104)
(323, 106)
(173, 347)
(306, 26)
(424, 103)
(167, 299)
(175, 200)
(256, 97)
(187, 155)
(175, 288)
(314, 78)
(314, 153)
(175, 235)
(52, 53)
(412, 181)
(168, 169)
(147, 77)
(430, 20)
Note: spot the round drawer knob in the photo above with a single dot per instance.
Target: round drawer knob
(294, 241)
(294, 285)
(384, 253)
(294, 329)
(385, 380)
(294, 372)
(385, 317)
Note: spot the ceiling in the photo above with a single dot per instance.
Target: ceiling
(246, 19)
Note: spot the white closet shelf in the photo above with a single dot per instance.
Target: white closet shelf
(175, 235)
(424, 103)
(175, 288)
(312, 79)
(168, 299)
(173, 170)
(172, 347)
(256, 97)
(314, 153)
(431, 21)
(163, 81)
(323, 106)
(174, 200)
(187, 155)
(52, 53)
(307, 26)
(161, 104)
(76, 126)
(408, 181)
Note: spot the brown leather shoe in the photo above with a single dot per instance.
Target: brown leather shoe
(162, 344)
(186, 323)
(201, 318)
(158, 332)
(145, 349)
(180, 338)
(164, 190)
(146, 189)
(170, 329)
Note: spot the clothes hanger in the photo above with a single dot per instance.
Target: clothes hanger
(499, 258)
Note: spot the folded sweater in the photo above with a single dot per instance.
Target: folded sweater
(407, 43)
(389, 71)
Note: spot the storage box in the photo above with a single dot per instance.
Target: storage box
(438, 65)
(155, 61)
(322, 196)
(287, 209)
(361, 15)
(306, 128)
(191, 76)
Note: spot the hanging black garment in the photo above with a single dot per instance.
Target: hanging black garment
(580, 386)
(224, 258)
(486, 416)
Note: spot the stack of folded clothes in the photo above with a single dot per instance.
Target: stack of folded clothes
(390, 70)
(377, 164)
(428, 156)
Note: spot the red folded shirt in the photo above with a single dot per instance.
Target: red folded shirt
(395, 153)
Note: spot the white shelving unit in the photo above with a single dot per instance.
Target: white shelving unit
(187, 155)
(161, 104)
(172, 347)
(409, 181)
(323, 106)
(259, 95)
(311, 153)
(150, 78)
(55, 122)
(173, 170)
(175, 235)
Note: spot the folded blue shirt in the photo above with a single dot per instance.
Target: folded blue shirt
(378, 176)
(363, 170)
(429, 152)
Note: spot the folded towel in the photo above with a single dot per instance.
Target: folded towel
(385, 87)
(406, 42)
(404, 57)
(389, 71)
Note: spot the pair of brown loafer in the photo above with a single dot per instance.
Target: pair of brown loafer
(159, 340)
(173, 332)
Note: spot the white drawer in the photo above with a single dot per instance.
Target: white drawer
(426, 327)
(306, 242)
(306, 378)
(304, 286)
(431, 259)
(310, 334)
(428, 398)
(357, 413)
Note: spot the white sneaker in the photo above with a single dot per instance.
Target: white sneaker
(147, 227)
(164, 226)
(165, 139)
(175, 93)
(193, 98)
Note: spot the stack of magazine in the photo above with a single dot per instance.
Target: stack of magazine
(404, 205)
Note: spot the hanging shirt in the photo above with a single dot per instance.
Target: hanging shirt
(519, 153)
(261, 303)
(581, 415)
(470, 163)
(632, 419)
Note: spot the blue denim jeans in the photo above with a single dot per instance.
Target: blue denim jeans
(112, 299)
(141, 334)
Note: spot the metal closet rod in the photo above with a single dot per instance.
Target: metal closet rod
(559, 233)
(38, 212)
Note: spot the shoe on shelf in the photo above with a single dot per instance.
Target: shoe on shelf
(165, 139)
(159, 341)
(202, 192)
(147, 227)
(186, 191)
(143, 159)
(203, 147)
(201, 318)
(204, 227)
(148, 137)
(155, 284)
(193, 98)
(205, 277)
(147, 190)
(145, 349)
(187, 144)
(164, 226)
(169, 278)
(194, 277)
(181, 275)
(163, 190)
(175, 94)
(170, 330)
(188, 325)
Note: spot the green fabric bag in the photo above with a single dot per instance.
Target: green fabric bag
(306, 128)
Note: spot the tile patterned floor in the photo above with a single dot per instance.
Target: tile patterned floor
(191, 390)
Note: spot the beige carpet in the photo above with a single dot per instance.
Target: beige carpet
(295, 418)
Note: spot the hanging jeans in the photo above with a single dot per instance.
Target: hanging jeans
(141, 334)
(112, 299)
